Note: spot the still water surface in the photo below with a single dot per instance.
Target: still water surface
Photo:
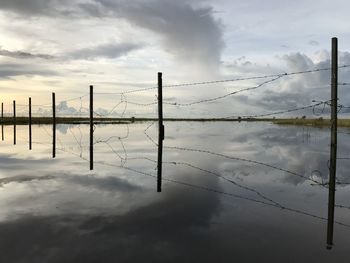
(232, 192)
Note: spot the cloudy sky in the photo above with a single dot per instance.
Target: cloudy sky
(64, 46)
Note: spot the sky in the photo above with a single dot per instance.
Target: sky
(64, 46)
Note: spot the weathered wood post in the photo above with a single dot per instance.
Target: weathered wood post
(333, 150)
(160, 132)
(14, 122)
(30, 123)
(91, 127)
(53, 125)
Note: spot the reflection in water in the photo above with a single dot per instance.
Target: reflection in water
(227, 192)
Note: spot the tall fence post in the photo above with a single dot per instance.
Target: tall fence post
(30, 123)
(53, 125)
(14, 122)
(91, 127)
(160, 132)
(2, 121)
(333, 150)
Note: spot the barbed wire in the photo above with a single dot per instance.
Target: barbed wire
(78, 141)
(123, 162)
(122, 100)
(148, 136)
(222, 81)
(267, 201)
(313, 106)
(323, 184)
(125, 92)
(253, 78)
(66, 99)
(273, 76)
(124, 159)
(245, 160)
(208, 189)
(106, 141)
(342, 206)
(216, 174)
(226, 179)
(340, 106)
(223, 96)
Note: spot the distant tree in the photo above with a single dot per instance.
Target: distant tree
(304, 117)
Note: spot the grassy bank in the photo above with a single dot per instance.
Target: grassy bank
(311, 122)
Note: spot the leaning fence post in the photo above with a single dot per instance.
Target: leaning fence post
(91, 128)
(14, 122)
(333, 150)
(160, 132)
(53, 125)
(30, 123)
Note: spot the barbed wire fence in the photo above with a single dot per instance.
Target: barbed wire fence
(83, 114)
(64, 111)
(118, 109)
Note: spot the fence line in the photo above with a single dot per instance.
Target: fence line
(126, 102)
(46, 110)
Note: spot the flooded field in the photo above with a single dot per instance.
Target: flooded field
(231, 192)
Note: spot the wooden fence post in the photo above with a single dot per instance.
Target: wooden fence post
(91, 127)
(333, 150)
(30, 123)
(53, 125)
(160, 132)
(14, 122)
(2, 121)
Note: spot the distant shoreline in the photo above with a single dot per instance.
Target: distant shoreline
(83, 120)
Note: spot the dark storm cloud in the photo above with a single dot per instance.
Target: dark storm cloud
(23, 55)
(38, 7)
(27, 7)
(109, 50)
(8, 70)
(190, 34)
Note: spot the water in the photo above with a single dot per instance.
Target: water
(231, 192)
